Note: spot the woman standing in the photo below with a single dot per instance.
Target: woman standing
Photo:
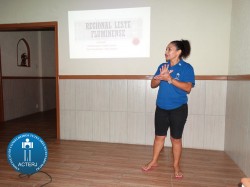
(175, 79)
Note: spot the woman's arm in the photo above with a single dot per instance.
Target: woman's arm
(186, 86)
(155, 82)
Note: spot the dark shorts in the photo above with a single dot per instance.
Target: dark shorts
(174, 119)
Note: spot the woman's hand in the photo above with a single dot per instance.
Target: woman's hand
(164, 73)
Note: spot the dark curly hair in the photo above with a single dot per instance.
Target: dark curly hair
(184, 46)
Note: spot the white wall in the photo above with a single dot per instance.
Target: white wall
(240, 38)
(47, 58)
(27, 96)
(237, 131)
(21, 97)
(237, 134)
(205, 23)
(124, 112)
(42, 53)
(8, 42)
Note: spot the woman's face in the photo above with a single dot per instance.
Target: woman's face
(172, 53)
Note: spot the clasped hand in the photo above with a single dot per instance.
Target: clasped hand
(164, 73)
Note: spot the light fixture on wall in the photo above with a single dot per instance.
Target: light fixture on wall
(23, 53)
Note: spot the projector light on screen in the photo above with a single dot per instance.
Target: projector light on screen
(109, 33)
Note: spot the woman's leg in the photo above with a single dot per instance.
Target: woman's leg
(178, 120)
(177, 149)
(158, 145)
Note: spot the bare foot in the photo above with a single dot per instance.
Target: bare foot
(177, 172)
(149, 166)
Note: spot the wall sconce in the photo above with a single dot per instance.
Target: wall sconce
(23, 53)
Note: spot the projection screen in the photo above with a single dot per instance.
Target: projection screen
(109, 33)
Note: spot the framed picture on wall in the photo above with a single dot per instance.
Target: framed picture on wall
(23, 53)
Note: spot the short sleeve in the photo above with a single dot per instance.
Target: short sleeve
(189, 75)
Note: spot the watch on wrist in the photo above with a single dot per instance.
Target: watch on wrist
(170, 81)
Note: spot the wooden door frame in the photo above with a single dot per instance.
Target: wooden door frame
(1, 92)
(38, 26)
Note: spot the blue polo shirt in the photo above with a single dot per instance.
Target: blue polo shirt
(170, 97)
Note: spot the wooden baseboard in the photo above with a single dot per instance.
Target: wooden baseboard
(149, 77)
